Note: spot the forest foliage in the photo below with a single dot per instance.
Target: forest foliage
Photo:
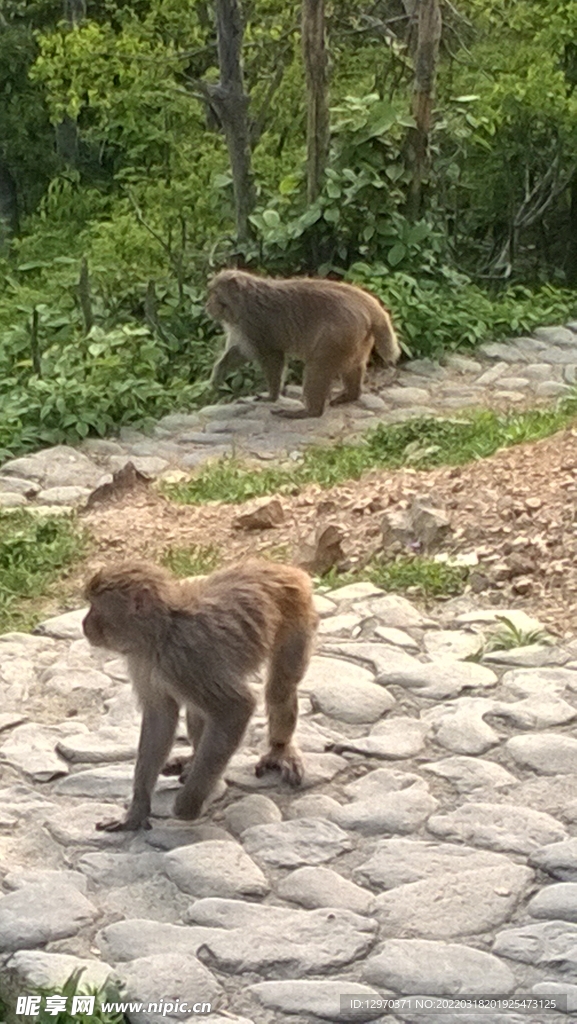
(117, 203)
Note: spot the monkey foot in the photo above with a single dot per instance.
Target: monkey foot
(343, 399)
(292, 414)
(128, 825)
(287, 762)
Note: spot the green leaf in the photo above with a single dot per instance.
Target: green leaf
(397, 253)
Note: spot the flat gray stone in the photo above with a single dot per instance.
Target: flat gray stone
(535, 682)
(139, 937)
(403, 811)
(254, 809)
(556, 336)
(452, 644)
(407, 396)
(108, 744)
(558, 901)
(213, 912)
(313, 805)
(505, 352)
(414, 966)
(165, 976)
(550, 943)
(382, 781)
(489, 616)
(548, 753)
(10, 499)
(323, 887)
(116, 869)
(69, 680)
(216, 868)
(445, 906)
(505, 827)
(41, 913)
(557, 859)
(55, 467)
(290, 844)
(559, 990)
(401, 861)
(552, 389)
(36, 969)
(319, 999)
(489, 376)
(324, 671)
(76, 825)
(318, 768)
(114, 782)
(324, 606)
(536, 712)
(396, 637)
(62, 495)
(355, 592)
(513, 383)
(21, 877)
(310, 942)
(390, 739)
(531, 656)
(434, 680)
(32, 749)
(18, 485)
(393, 610)
(67, 626)
(354, 700)
(470, 773)
(460, 726)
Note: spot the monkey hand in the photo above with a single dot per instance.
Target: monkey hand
(286, 761)
(130, 824)
(178, 765)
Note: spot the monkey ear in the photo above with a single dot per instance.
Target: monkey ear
(142, 601)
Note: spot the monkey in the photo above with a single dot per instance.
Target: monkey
(193, 643)
(329, 325)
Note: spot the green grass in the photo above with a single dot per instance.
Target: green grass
(34, 552)
(196, 560)
(409, 573)
(421, 443)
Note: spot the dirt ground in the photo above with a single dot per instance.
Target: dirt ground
(516, 511)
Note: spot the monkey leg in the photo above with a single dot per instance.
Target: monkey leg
(316, 389)
(288, 666)
(272, 363)
(220, 738)
(352, 381)
(157, 731)
(230, 360)
(180, 764)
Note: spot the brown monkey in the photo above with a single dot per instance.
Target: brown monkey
(331, 326)
(193, 644)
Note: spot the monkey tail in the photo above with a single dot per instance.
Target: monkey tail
(385, 338)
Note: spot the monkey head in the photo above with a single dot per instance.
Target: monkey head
(225, 295)
(128, 605)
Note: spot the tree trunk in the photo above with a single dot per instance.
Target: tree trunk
(315, 61)
(230, 104)
(426, 58)
(571, 252)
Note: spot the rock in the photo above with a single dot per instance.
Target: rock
(264, 517)
(314, 805)
(402, 811)
(318, 999)
(76, 825)
(254, 809)
(62, 495)
(407, 396)
(391, 739)
(136, 938)
(31, 749)
(290, 844)
(310, 942)
(498, 826)
(150, 467)
(401, 861)
(323, 887)
(116, 869)
(323, 551)
(55, 467)
(111, 783)
(547, 944)
(396, 529)
(531, 656)
(536, 712)
(165, 977)
(559, 994)
(460, 725)
(396, 637)
(339, 625)
(452, 644)
(535, 682)
(317, 768)
(392, 610)
(414, 966)
(470, 773)
(556, 336)
(557, 901)
(355, 592)
(323, 606)
(9, 499)
(63, 627)
(445, 906)
(558, 859)
(430, 525)
(36, 969)
(216, 868)
(356, 700)
(108, 744)
(17, 485)
(549, 753)
(21, 877)
(41, 913)
(324, 671)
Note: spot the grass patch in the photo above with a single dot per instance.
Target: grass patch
(196, 560)
(412, 574)
(34, 551)
(421, 443)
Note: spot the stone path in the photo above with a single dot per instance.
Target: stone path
(431, 851)
(502, 375)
